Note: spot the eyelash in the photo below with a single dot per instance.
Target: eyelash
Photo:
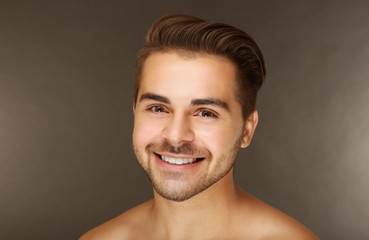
(209, 113)
(155, 109)
(161, 109)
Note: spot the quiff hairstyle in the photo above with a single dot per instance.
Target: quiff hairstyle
(192, 36)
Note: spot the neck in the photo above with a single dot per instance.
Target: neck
(212, 208)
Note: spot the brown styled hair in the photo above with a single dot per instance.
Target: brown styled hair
(192, 35)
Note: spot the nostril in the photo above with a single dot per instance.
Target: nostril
(178, 129)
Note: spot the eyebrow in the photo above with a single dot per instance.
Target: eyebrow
(210, 101)
(154, 97)
(194, 102)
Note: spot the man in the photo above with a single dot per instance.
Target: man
(194, 104)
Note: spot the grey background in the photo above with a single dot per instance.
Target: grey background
(66, 118)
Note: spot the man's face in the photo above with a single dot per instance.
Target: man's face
(188, 125)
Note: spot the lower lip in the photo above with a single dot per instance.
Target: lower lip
(175, 166)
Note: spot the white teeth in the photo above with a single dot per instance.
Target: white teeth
(178, 161)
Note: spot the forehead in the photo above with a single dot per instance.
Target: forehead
(172, 74)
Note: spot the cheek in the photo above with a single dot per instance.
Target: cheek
(144, 132)
(218, 137)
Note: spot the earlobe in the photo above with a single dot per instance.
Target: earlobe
(249, 129)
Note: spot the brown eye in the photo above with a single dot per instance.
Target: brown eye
(207, 114)
(157, 109)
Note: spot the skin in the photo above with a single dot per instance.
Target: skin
(199, 199)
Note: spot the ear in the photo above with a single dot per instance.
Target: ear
(134, 107)
(249, 129)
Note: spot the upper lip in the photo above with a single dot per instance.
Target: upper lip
(172, 155)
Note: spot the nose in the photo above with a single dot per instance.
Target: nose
(178, 130)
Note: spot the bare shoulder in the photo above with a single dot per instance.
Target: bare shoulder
(123, 227)
(266, 222)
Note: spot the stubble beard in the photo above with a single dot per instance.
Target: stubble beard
(173, 185)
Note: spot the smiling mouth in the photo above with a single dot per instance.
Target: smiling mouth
(179, 161)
